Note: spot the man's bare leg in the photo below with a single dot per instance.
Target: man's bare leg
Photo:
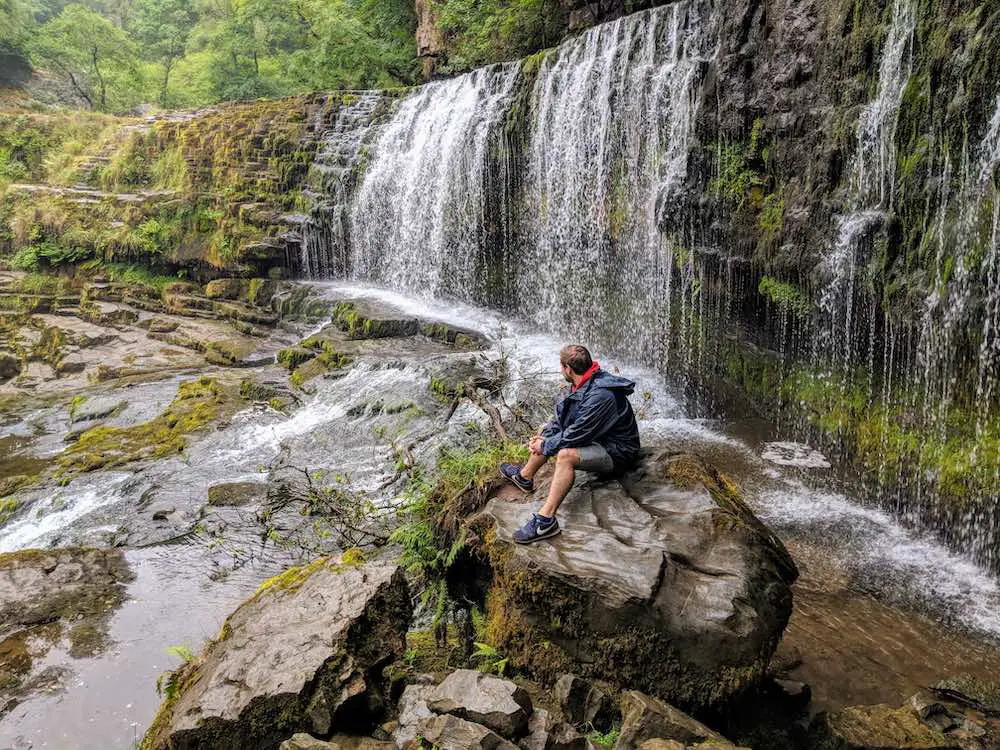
(535, 462)
(562, 480)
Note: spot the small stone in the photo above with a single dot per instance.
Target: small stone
(645, 718)
(412, 709)
(10, 366)
(582, 702)
(163, 515)
(498, 704)
(452, 733)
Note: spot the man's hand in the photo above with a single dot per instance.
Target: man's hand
(535, 444)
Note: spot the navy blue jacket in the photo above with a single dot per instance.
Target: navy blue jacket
(599, 412)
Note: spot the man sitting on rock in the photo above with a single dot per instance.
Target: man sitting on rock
(594, 430)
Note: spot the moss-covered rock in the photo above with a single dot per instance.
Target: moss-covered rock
(198, 403)
(665, 582)
(878, 727)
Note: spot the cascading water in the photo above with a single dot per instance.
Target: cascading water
(872, 176)
(419, 219)
(613, 115)
(325, 231)
(989, 350)
(610, 118)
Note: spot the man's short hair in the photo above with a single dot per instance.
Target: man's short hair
(576, 357)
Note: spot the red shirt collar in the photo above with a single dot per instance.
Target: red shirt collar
(585, 377)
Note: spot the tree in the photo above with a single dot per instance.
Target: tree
(162, 27)
(15, 20)
(97, 58)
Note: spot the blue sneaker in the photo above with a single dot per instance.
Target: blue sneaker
(513, 473)
(536, 529)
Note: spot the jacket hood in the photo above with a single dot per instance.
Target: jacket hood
(604, 379)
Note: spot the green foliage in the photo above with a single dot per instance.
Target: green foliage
(738, 178)
(129, 166)
(605, 739)
(772, 215)
(483, 31)
(46, 254)
(15, 19)
(131, 274)
(162, 28)
(153, 236)
(183, 653)
(785, 296)
(170, 171)
(95, 57)
(490, 659)
(426, 551)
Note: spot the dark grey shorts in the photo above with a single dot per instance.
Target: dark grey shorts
(594, 458)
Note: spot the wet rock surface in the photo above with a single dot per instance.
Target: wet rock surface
(483, 699)
(303, 655)
(52, 597)
(664, 572)
(43, 586)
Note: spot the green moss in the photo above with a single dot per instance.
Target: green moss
(737, 176)
(294, 356)
(8, 507)
(772, 215)
(786, 296)
(198, 403)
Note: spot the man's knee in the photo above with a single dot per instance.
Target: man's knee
(568, 456)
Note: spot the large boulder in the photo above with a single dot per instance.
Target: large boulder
(664, 581)
(304, 654)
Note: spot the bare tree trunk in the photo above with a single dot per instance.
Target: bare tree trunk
(100, 79)
(79, 89)
(167, 67)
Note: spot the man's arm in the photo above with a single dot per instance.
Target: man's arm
(592, 422)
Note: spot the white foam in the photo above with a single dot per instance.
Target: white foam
(871, 543)
(64, 506)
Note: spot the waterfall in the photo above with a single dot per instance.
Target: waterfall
(613, 114)
(989, 350)
(607, 128)
(419, 218)
(872, 177)
(325, 237)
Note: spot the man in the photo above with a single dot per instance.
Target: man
(594, 430)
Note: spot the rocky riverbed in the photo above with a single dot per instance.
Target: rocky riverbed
(176, 447)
